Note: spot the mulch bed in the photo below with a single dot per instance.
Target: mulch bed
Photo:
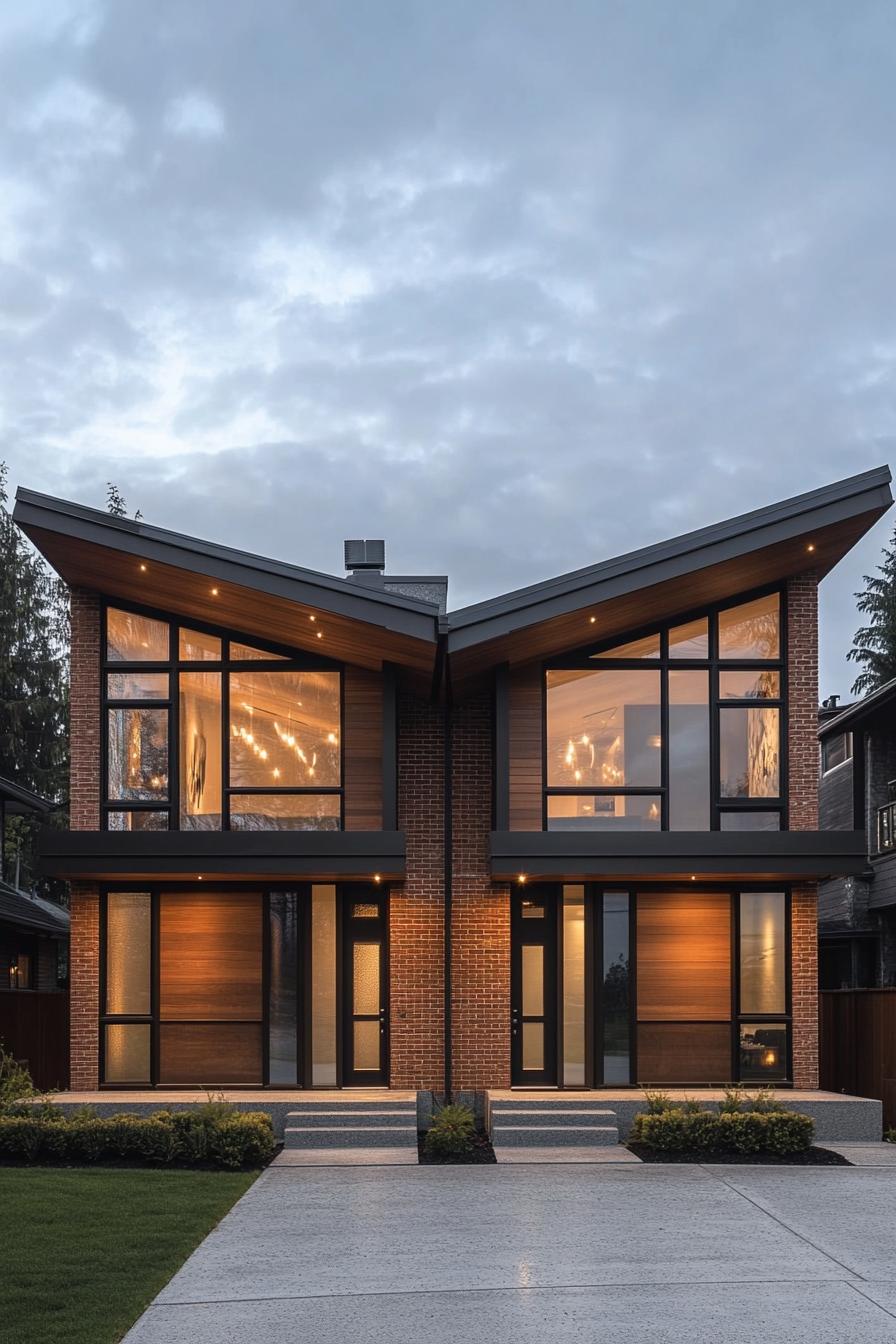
(813, 1157)
(481, 1154)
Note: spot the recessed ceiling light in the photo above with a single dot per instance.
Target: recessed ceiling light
(142, 569)
(320, 634)
(214, 592)
(810, 547)
(377, 878)
(312, 618)
(593, 619)
(522, 879)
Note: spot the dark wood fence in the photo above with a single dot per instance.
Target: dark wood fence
(858, 1045)
(34, 1028)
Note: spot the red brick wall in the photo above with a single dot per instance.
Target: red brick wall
(802, 710)
(84, 711)
(480, 928)
(804, 966)
(416, 909)
(84, 978)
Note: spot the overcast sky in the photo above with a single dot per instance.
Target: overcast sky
(517, 285)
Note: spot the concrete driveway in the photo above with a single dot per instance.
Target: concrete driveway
(539, 1253)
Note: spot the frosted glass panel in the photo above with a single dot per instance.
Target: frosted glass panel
(574, 986)
(200, 751)
(137, 686)
(367, 1047)
(533, 980)
(533, 1045)
(197, 647)
(135, 639)
(283, 1012)
(762, 952)
(366, 966)
(138, 755)
(323, 986)
(128, 943)
(127, 1052)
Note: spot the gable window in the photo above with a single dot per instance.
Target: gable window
(835, 750)
(203, 732)
(676, 729)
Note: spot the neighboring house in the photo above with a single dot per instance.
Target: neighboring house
(857, 791)
(287, 788)
(34, 935)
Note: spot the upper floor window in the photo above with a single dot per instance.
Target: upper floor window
(204, 732)
(835, 750)
(678, 729)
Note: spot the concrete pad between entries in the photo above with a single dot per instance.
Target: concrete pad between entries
(605, 1156)
(346, 1157)
(684, 1314)
(865, 1154)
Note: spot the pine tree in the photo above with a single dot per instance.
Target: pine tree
(115, 501)
(874, 645)
(34, 646)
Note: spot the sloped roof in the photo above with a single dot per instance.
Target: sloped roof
(17, 799)
(32, 912)
(862, 712)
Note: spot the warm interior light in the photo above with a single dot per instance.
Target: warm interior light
(769, 1058)
(198, 877)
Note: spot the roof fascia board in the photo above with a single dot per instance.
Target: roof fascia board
(861, 711)
(403, 615)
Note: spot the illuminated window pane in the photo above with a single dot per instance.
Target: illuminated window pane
(137, 686)
(751, 630)
(283, 992)
(603, 727)
(762, 952)
(128, 950)
(763, 1052)
(200, 751)
(648, 647)
(749, 753)
(247, 653)
(135, 639)
(138, 754)
(284, 729)
(574, 986)
(690, 640)
(366, 978)
(194, 646)
(365, 911)
(755, 685)
(689, 769)
(323, 986)
(285, 812)
(533, 979)
(604, 812)
(366, 1039)
(533, 1046)
(127, 1052)
(137, 821)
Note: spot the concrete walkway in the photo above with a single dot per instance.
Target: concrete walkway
(574, 1255)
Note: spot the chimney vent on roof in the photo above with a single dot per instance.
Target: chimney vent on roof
(367, 556)
(831, 702)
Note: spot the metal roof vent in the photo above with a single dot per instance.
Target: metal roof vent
(361, 555)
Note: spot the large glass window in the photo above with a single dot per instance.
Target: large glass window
(274, 764)
(665, 730)
(763, 952)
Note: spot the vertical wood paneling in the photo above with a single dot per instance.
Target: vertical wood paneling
(363, 750)
(526, 748)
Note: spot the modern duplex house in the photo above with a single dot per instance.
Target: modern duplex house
(326, 834)
(857, 791)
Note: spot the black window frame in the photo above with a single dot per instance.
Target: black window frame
(282, 659)
(585, 659)
(844, 737)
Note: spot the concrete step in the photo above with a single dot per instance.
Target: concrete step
(555, 1136)
(351, 1136)
(531, 1115)
(549, 1105)
(341, 1119)
(351, 1107)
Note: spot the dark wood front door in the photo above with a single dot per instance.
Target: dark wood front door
(533, 988)
(365, 989)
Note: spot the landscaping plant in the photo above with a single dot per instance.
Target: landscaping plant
(452, 1132)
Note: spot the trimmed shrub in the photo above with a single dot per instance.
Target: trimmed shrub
(162, 1139)
(451, 1132)
(678, 1131)
(789, 1132)
(666, 1131)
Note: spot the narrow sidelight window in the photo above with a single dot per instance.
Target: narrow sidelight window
(138, 755)
(323, 986)
(574, 986)
(763, 952)
(689, 780)
(128, 954)
(615, 989)
(283, 991)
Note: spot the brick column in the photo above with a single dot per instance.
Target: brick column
(416, 907)
(84, 992)
(84, 736)
(802, 706)
(481, 912)
(804, 979)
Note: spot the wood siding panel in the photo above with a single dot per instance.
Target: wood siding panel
(526, 749)
(210, 1054)
(684, 957)
(363, 750)
(684, 1052)
(210, 954)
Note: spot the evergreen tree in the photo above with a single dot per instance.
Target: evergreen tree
(34, 645)
(115, 501)
(874, 645)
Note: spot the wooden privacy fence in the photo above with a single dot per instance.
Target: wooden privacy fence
(34, 1028)
(858, 1045)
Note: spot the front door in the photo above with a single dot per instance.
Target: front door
(533, 988)
(365, 989)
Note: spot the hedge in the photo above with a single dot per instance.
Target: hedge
(677, 1131)
(165, 1138)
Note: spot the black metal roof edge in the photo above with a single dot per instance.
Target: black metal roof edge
(863, 709)
(676, 844)
(17, 907)
(874, 483)
(326, 591)
(201, 845)
(15, 793)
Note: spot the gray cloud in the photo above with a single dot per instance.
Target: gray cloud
(517, 287)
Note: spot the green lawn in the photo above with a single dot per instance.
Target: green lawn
(83, 1251)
